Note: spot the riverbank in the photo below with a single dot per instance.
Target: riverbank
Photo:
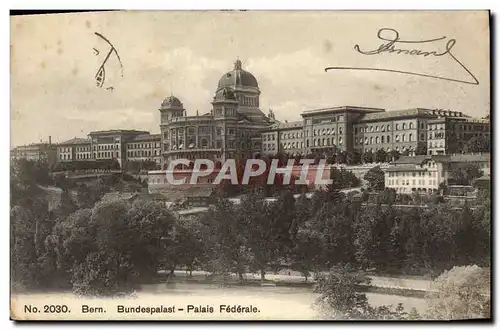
(405, 287)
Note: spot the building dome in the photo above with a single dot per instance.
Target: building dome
(171, 101)
(238, 77)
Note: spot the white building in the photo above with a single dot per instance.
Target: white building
(424, 174)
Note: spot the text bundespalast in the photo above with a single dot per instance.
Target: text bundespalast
(229, 309)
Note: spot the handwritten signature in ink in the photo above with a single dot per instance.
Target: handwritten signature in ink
(389, 46)
(100, 76)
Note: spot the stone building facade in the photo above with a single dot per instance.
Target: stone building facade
(43, 151)
(232, 129)
(425, 173)
(415, 131)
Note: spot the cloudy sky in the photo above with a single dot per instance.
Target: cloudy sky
(53, 65)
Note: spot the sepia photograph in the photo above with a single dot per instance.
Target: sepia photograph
(250, 165)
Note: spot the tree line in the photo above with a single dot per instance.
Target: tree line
(109, 248)
(120, 243)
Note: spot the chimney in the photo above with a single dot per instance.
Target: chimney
(50, 140)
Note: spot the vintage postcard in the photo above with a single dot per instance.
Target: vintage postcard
(250, 165)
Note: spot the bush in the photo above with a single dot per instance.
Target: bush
(103, 275)
(463, 293)
(340, 298)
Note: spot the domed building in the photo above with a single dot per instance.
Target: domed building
(230, 130)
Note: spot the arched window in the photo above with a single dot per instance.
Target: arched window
(403, 137)
(377, 139)
(410, 137)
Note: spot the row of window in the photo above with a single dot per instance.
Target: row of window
(322, 120)
(292, 145)
(326, 142)
(268, 137)
(143, 145)
(413, 174)
(327, 131)
(83, 156)
(78, 156)
(252, 101)
(106, 154)
(269, 147)
(190, 130)
(438, 144)
(383, 128)
(143, 153)
(107, 147)
(436, 127)
(414, 182)
(229, 112)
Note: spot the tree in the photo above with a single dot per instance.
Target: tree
(224, 241)
(368, 157)
(393, 155)
(477, 144)
(340, 298)
(376, 178)
(380, 156)
(342, 179)
(267, 228)
(31, 223)
(421, 149)
(462, 293)
(111, 248)
(339, 294)
(331, 159)
(353, 157)
(464, 174)
(341, 157)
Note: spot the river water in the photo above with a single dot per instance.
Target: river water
(268, 303)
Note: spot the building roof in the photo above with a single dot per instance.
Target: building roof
(485, 177)
(341, 108)
(119, 196)
(472, 157)
(119, 131)
(129, 196)
(406, 168)
(417, 160)
(35, 146)
(146, 137)
(237, 77)
(413, 113)
(396, 114)
(171, 101)
(193, 210)
(451, 158)
(284, 126)
(75, 140)
(174, 194)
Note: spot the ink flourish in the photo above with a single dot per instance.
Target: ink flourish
(389, 47)
(100, 76)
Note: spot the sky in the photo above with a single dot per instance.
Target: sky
(53, 65)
